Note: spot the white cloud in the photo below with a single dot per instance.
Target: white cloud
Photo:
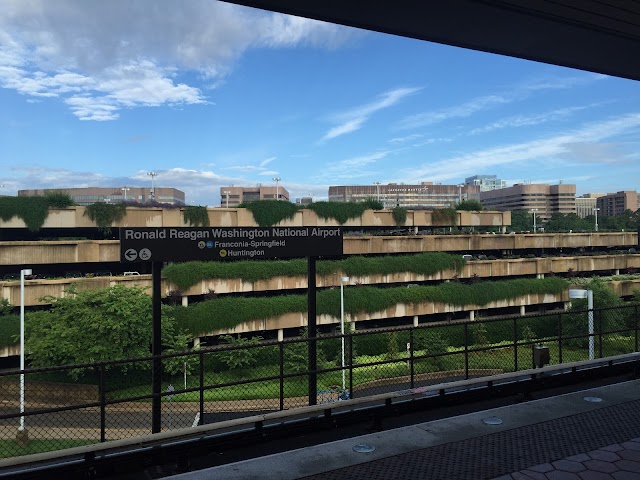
(130, 53)
(555, 148)
(267, 161)
(354, 119)
(352, 167)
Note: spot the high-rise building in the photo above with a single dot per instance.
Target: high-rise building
(423, 195)
(617, 203)
(543, 199)
(486, 182)
(234, 196)
(586, 203)
(89, 195)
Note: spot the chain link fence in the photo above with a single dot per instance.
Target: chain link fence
(61, 407)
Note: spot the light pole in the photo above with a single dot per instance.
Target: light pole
(125, 190)
(595, 210)
(588, 294)
(460, 193)
(277, 179)
(377, 184)
(343, 280)
(226, 193)
(534, 210)
(24, 272)
(153, 191)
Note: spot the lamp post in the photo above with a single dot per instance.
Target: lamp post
(595, 210)
(125, 190)
(153, 190)
(277, 179)
(343, 280)
(534, 210)
(588, 294)
(460, 193)
(226, 193)
(377, 184)
(24, 272)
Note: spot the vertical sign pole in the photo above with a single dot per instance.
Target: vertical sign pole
(311, 323)
(156, 347)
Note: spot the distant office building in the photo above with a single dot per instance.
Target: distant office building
(486, 182)
(234, 196)
(89, 195)
(544, 199)
(586, 203)
(304, 200)
(616, 203)
(424, 195)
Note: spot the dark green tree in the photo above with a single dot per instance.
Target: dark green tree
(521, 221)
(471, 205)
(560, 222)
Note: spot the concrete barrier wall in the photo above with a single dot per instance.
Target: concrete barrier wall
(486, 269)
(96, 251)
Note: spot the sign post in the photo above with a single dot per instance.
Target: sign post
(177, 244)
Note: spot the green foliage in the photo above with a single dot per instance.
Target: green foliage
(105, 214)
(96, 325)
(432, 342)
(296, 355)
(5, 307)
(228, 312)
(399, 215)
(9, 329)
(444, 217)
(33, 211)
(392, 345)
(479, 334)
(343, 211)
(241, 358)
(567, 222)
(471, 205)
(196, 216)
(521, 221)
(185, 275)
(267, 213)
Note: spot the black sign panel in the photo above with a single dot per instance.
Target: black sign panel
(227, 243)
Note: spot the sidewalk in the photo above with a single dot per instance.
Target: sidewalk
(560, 438)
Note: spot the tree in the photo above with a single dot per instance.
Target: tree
(560, 222)
(99, 325)
(241, 358)
(470, 205)
(521, 221)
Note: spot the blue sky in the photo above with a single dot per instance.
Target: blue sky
(209, 94)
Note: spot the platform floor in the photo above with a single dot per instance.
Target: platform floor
(564, 437)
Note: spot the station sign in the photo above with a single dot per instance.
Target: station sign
(175, 244)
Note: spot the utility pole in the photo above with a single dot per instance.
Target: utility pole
(153, 190)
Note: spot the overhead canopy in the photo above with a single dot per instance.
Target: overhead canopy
(595, 35)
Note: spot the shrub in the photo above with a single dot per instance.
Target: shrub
(196, 216)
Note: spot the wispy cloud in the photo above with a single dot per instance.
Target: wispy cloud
(353, 119)
(556, 148)
(267, 161)
(351, 167)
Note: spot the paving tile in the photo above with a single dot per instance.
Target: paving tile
(560, 475)
(600, 466)
(503, 477)
(630, 455)
(628, 465)
(631, 445)
(568, 466)
(591, 475)
(605, 456)
(581, 457)
(530, 474)
(612, 448)
(520, 476)
(625, 476)
(542, 468)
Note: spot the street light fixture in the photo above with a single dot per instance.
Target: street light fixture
(125, 190)
(277, 179)
(460, 193)
(153, 190)
(226, 193)
(23, 273)
(588, 294)
(377, 184)
(534, 210)
(343, 280)
(595, 210)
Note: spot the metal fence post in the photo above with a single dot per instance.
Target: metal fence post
(600, 333)
(350, 337)
(635, 321)
(201, 382)
(515, 345)
(103, 404)
(411, 358)
(560, 337)
(281, 355)
(466, 351)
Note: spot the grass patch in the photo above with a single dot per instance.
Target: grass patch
(9, 448)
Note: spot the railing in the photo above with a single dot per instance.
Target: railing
(74, 405)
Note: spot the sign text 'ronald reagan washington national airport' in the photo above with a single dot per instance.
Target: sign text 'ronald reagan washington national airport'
(227, 243)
